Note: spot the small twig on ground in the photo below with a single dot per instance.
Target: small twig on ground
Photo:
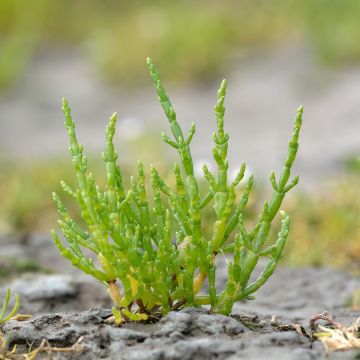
(178, 304)
(252, 322)
(337, 338)
(44, 347)
(324, 316)
(288, 327)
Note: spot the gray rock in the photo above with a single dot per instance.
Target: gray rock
(45, 287)
(193, 348)
(289, 339)
(292, 294)
(41, 294)
(302, 292)
(186, 335)
(198, 322)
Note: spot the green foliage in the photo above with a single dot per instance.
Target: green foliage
(116, 34)
(352, 164)
(132, 233)
(11, 267)
(327, 229)
(25, 203)
(5, 353)
(4, 316)
(333, 29)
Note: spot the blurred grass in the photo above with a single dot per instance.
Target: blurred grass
(326, 227)
(11, 267)
(26, 202)
(26, 188)
(326, 223)
(333, 29)
(184, 37)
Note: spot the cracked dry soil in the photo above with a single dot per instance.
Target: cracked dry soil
(60, 307)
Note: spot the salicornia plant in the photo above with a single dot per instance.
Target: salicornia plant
(4, 316)
(151, 251)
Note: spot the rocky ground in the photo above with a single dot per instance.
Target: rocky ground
(72, 309)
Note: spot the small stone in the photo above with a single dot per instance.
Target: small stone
(194, 322)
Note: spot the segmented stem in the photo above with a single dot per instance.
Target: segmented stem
(132, 231)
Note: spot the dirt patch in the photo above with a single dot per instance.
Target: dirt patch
(187, 334)
(60, 306)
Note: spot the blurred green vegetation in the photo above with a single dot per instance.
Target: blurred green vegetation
(26, 203)
(183, 37)
(11, 267)
(26, 187)
(326, 226)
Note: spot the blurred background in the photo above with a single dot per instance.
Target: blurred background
(276, 55)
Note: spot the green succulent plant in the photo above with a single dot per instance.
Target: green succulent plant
(4, 316)
(151, 252)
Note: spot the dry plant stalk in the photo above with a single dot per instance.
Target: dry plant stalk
(337, 338)
(44, 348)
